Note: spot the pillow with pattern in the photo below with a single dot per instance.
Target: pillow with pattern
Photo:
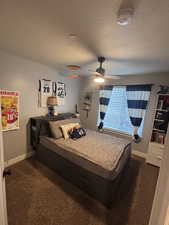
(77, 133)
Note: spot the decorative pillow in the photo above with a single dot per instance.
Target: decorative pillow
(77, 133)
(55, 126)
(77, 125)
(67, 128)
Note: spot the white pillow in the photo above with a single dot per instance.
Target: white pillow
(55, 126)
(67, 127)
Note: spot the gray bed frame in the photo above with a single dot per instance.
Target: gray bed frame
(96, 186)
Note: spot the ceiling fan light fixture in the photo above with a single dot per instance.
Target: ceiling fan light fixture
(99, 80)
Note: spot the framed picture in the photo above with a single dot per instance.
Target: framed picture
(9, 101)
(45, 91)
(61, 93)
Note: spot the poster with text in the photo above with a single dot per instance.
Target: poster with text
(9, 101)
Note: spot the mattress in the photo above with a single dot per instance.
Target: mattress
(101, 154)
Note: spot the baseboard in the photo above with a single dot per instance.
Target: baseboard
(140, 154)
(29, 154)
(18, 159)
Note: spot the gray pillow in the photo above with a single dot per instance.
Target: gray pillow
(55, 126)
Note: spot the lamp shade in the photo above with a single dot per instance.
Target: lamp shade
(52, 100)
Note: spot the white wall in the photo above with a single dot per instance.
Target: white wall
(160, 210)
(156, 79)
(22, 75)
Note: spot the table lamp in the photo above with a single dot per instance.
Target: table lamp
(52, 102)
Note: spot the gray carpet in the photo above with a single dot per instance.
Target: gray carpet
(38, 196)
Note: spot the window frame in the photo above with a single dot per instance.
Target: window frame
(112, 131)
(119, 132)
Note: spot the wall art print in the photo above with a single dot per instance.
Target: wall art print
(9, 101)
(45, 91)
(61, 93)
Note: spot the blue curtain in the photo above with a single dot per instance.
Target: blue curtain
(104, 98)
(137, 100)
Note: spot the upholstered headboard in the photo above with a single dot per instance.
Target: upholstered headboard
(45, 129)
(40, 126)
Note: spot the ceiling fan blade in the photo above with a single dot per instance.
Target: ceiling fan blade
(91, 70)
(100, 71)
(98, 74)
(94, 73)
(114, 77)
(73, 76)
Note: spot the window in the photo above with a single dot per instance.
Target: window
(117, 117)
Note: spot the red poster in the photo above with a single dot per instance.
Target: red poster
(9, 101)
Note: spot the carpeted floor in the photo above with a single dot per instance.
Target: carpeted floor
(38, 196)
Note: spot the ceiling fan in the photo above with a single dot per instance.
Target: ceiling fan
(100, 72)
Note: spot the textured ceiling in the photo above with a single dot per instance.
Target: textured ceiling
(39, 30)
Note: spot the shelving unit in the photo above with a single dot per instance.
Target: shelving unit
(160, 125)
(159, 120)
(163, 110)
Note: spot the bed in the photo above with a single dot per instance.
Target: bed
(96, 163)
